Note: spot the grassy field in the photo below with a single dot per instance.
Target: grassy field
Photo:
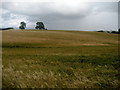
(0, 59)
(59, 59)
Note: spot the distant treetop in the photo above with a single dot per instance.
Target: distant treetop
(22, 25)
(40, 25)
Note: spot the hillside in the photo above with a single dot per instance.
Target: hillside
(59, 38)
(51, 58)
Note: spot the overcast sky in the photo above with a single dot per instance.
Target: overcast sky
(69, 15)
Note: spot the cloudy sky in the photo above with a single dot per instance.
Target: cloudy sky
(64, 15)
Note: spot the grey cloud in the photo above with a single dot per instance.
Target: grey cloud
(35, 9)
(119, 14)
(105, 6)
(6, 16)
(62, 15)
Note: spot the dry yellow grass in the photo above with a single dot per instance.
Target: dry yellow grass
(59, 38)
(59, 59)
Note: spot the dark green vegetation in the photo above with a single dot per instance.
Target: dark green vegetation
(40, 25)
(72, 59)
(22, 25)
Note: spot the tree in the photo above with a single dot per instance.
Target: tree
(22, 25)
(40, 25)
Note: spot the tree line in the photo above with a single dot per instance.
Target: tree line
(115, 32)
(39, 25)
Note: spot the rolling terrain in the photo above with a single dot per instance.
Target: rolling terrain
(59, 59)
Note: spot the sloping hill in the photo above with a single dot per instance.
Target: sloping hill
(59, 59)
(58, 38)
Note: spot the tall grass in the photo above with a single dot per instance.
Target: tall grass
(60, 59)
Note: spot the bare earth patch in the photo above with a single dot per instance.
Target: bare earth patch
(95, 44)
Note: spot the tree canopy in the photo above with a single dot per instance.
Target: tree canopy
(22, 25)
(40, 25)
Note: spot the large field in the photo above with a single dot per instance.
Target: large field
(59, 59)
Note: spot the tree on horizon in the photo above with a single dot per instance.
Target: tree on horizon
(40, 25)
(22, 25)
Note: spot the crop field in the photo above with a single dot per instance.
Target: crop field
(59, 59)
